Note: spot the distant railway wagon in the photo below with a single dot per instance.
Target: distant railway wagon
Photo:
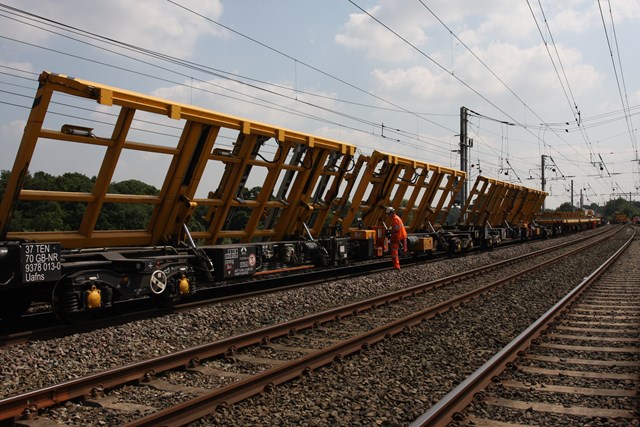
(568, 222)
(620, 218)
(316, 203)
(501, 210)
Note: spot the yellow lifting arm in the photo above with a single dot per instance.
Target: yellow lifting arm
(493, 202)
(390, 180)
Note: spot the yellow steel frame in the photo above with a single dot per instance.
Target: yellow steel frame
(295, 192)
(506, 196)
(496, 203)
(308, 190)
(383, 179)
(477, 209)
(531, 205)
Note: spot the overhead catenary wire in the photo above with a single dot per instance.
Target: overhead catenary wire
(279, 52)
(573, 105)
(483, 63)
(174, 60)
(624, 99)
(254, 40)
(495, 166)
(393, 132)
(456, 77)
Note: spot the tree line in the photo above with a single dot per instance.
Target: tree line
(609, 209)
(66, 216)
(34, 216)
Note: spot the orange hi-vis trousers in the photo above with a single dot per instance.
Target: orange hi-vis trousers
(395, 252)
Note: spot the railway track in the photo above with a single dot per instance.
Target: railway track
(43, 324)
(578, 364)
(323, 345)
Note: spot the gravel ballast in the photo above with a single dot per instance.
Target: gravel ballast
(364, 389)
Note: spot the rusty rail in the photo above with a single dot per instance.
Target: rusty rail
(201, 406)
(15, 406)
(444, 411)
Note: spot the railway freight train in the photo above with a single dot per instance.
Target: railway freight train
(316, 202)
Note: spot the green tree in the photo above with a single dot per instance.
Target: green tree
(197, 222)
(4, 177)
(238, 218)
(74, 211)
(44, 216)
(38, 215)
(565, 207)
(74, 181)
(628, 208)
(133, 186)
(127, 216)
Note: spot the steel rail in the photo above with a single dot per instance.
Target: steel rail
(136, 309)
(205, 404)
(457, 399)
(18, 405)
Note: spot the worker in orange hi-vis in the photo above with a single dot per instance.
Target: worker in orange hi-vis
(397, 233)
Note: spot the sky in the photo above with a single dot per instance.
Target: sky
(543, 80)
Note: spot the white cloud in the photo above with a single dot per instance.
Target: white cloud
(11, 135)
(417, 83)
(501, 24)
(626, 10)
(474, 23)
(361, 32)
(573, 20)
(581, 16)
(154, 25)
(528, 72)
(16, 65)
(292, 111)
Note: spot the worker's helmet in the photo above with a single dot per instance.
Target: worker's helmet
(389, 210)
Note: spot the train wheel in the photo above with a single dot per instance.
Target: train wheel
(14, 307)
(450, 250)
(164, 302)
(164, 292)
(453, 248)
(66, 305)
(486, 244)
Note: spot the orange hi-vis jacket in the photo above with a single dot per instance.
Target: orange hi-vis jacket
(399, 233)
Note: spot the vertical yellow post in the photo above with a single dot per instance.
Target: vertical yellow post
(25, 153)
(107, 170)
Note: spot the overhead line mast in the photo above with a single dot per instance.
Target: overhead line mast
(465, 144)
